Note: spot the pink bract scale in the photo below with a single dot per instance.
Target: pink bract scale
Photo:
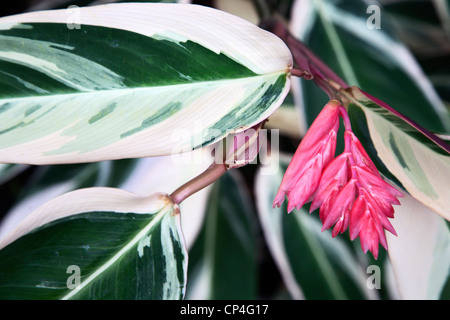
(348, 190)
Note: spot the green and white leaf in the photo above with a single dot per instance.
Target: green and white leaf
(166, 174)
(47, 182)
(132, 80)
(313, 265)
(420, 255)
(140, 176)
(402, 151)
(124, 246)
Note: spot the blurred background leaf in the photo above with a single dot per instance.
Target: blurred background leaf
(420, 255)
(424, 26)
(223, 261)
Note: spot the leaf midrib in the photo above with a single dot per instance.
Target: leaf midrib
(130, 245)
(100, 92)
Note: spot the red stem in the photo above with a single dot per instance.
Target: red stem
(305, 60)
(214, 172)
(299, 49)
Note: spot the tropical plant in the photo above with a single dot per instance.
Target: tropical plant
(147, 150)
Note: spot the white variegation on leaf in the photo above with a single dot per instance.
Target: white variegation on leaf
(134, 80)
(144, 176)
(420, 254)
(124, 240)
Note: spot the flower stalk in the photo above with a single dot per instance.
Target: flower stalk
(214, 172)
(235, 151)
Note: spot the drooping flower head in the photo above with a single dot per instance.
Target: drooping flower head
(313, 154)
(348, 190)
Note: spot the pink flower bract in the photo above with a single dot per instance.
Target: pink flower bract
(348, 190)
(316, 150)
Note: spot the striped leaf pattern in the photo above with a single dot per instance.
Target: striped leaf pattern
(96, 243)
(132, 80)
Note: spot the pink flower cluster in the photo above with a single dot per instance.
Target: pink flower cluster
(348, 190)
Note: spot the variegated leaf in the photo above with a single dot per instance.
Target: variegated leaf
(420, 254)
(96, 243)
(402, 150)
(132, 80)
(140, 176)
